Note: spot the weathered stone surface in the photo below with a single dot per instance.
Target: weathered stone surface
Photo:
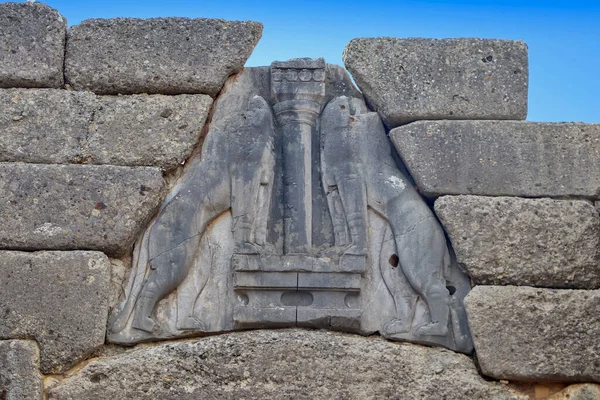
(158, 55)
(44, 125)
(58, 298)
(280, 365)
(61, 127)
(524, 242)
(502, 158)
(582, 391)
(32, 45)
(207, 294)
(290, 268)
(533, 334)
(19, 370)
(411, 79)
(152, 130)
(67, 207)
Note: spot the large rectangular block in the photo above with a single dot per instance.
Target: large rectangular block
(525, 242)
(158, 55)
(61, 127)
(32, 45)
(532, 334)
(44, 125)
(20, 377)
(406, 80)
(66, 207)
(152, 130)
(59, 298)
(281, 364)
(502, 158)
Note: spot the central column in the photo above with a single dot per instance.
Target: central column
(298, 88)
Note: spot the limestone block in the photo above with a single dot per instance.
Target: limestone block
(524, 242)
(60, 299)
(32, 45)
(61, 127)
(44, 125)
(281, 364)
(152, 130)
(19, 370)
(67, 207)
(502, 158)
(158, 55)
(533, 334)
(412, 79)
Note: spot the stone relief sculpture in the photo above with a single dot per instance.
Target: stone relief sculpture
(294, 214)
(234, 172)
(359, 172)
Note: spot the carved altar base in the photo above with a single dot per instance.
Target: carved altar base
(297, 290)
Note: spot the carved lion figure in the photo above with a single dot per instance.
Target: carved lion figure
(359, 172)
(234, 171)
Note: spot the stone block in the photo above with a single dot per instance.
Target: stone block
(32, 45)
(281, 364)
(20, 376)
(414, 79)
(158, 55)
(60, 299)
(502, 158)
(532, 334)
(524, 242)
(152, 130)
(62, 127)
(67, 207)
(44, 125)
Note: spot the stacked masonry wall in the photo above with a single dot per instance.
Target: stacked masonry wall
(94, 120)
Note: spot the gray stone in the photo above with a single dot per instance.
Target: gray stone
(281, 364)
(412, 79)
(502, 158)
(20, 376)
(44, 125)
(286, 207)
(359, 173)
(233, 172)
(299, 89)
(533, 334)
(60, 127)
(158, 55)
(32, 45)
(152, 130)
(58, 298)
(524, 242)
(64, 207)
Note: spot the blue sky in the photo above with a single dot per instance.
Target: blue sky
(563, 36)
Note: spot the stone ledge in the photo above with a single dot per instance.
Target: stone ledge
(32, 45)
(406, 80)
(64, 127)
(502, 158)
(524, 242)
(281, 364)
(58, 298)
(158, 55)
(70, 207)
(531, 334)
